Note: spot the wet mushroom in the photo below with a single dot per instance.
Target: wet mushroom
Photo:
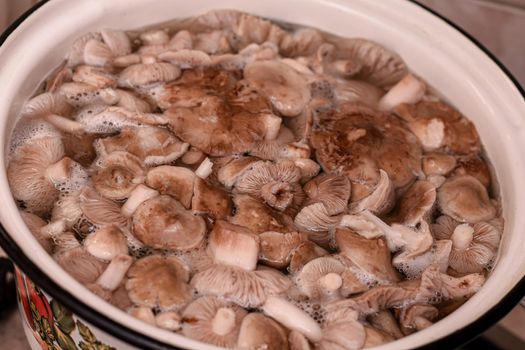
(99, 210)
(81, 265)
(177, 182)
(187, 59)
(52, 108)
(408, 90)
(417, 317)
(82, 95)
(212, 320)
(145, 314)
(376, 337)
(475, 166)
(331, 190)
(276, 248)
(163, 223)
(305, 252)
(210, 199)
(96, 53)
(416, 204)
(34, 224)
(94, 76)
(465, 199)
(115, 272)
(297, 341)
(149, 71)
(438, 163)
(314, 220)
(117, 41)
(159, 282)
(386, 322)
(106, 243)
(342, 330)
(412, 266)
(169, 320)
(230, 172)
(258, 331)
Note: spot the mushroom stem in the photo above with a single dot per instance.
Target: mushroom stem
(224, 321)
(139, 195)
(422, 323)
(462, 236)
(205, 168)
(115, 272)
(277, 194)
(273, 124)
(59, 172)
(331, 282)
(408, 90)
(145, 314)
(292, 317)
(65, 124)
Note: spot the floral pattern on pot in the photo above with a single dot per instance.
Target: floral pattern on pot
(53, 326)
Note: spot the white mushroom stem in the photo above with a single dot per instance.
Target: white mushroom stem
(143, 313)
(224, 321)
(140, 194)
(273, 124)
(408, 90)
(54, 228)
(292, 317)
(331, 282)
(462, 236)
(147, 59)
(115, 272)
(169, 320)
(59, 172)
(205, 168)
(65, 124)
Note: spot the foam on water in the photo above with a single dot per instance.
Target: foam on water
(28, 129)
(314, 309)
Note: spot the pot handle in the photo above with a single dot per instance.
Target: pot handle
(7, 286)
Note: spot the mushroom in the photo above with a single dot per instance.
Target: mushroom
(148, 72)
(169, 320)
(276, 248)
(80, 148)
(117, 174)
(258, 217)
(331, 190)
(357, 141)
(416, 203)
(375, 337)
(465, 199)
(79, 264)
(115, 272)
(132, 103)
(204, 169)
(52, 108)
(106, 243)
(30, 171)
(417, 317)
(230, 172)
(94, 76)
(192, 156)
(248, 289)
(117, 41)
(369, 255)
(233, 245)
(177, 182)
(159, 282)
(327, 278)
(211, 320)
(145, 314)
(96, 53)
(408, 90)
(99, 210)
(154, 146)
(305, 252)
(297, 341)
(34, 224)
(476, 167)
(413, 266)
(275, 183)
(186, 59)
(292, 317)
(154, 37)
(380, 201)
(258, 332)
(210, 199)
(75, 55)
(438, 163)
(163, 223)
(317, 223)
(342, 330)
(182, 40)
(127, 60)
(385, 322)
(438, 125)
(82, 95)
(309, 168)
(285, 88)
(473, 246)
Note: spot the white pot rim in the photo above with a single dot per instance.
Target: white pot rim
(142, 341)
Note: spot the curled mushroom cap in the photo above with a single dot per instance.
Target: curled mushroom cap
(99, 210)
(148, 72)
(286, 89)
(210, 200)
(305, 252)
(249, 289)
(417, 317)
(342, 330)
(186, 59)
(230, 173)
(331, 190)
(27, 175)
(413, 265)
(163, 223)
(381, 200)
(369, 255)
(475, 166)
(465, 199)
(94, 76)
(316, 222)
(258, 331)
(386, 322)
(156, 281)
(298, 341)
(177, 182)
(416, 203)
(276, 248)
(82, 94)
(117, 41)
(376, 337)
(154, 146)
(34, 224)
(408, 90)
(96, 53)
(106, 243)
(438, 163)
(117, 174)
(275, 183)
(81, 265)
(45, 105)
(213, 321)
(473, 246)
(234, 245)
(114, 274)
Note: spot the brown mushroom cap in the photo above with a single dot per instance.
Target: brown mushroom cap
(229, 173)
(96, 53)
(386, 322)
(233, 245)
(210, 199)
(276, 248)
(106, 243)
(438, 163)
(317, 223)
(331, 190)
(342, 330)
(297, 341)
(117, 174)
(465, 199)
(27, 173)
(81, 265)
(416, 203)
(258, 217)
(148, 73)
(457, 133)
(163, 223)
(475, 166)
(246, 288)
(369, 255)
(381, 200)
(177, 182)
(258, 331)
(34, 224)
(417, 317)
(358, 141)
(154, 146)
(213, 321)
(286, 89)
(159, 282)
(376, 337)
(305, 252)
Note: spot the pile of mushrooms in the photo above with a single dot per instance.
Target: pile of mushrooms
(254, 187)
